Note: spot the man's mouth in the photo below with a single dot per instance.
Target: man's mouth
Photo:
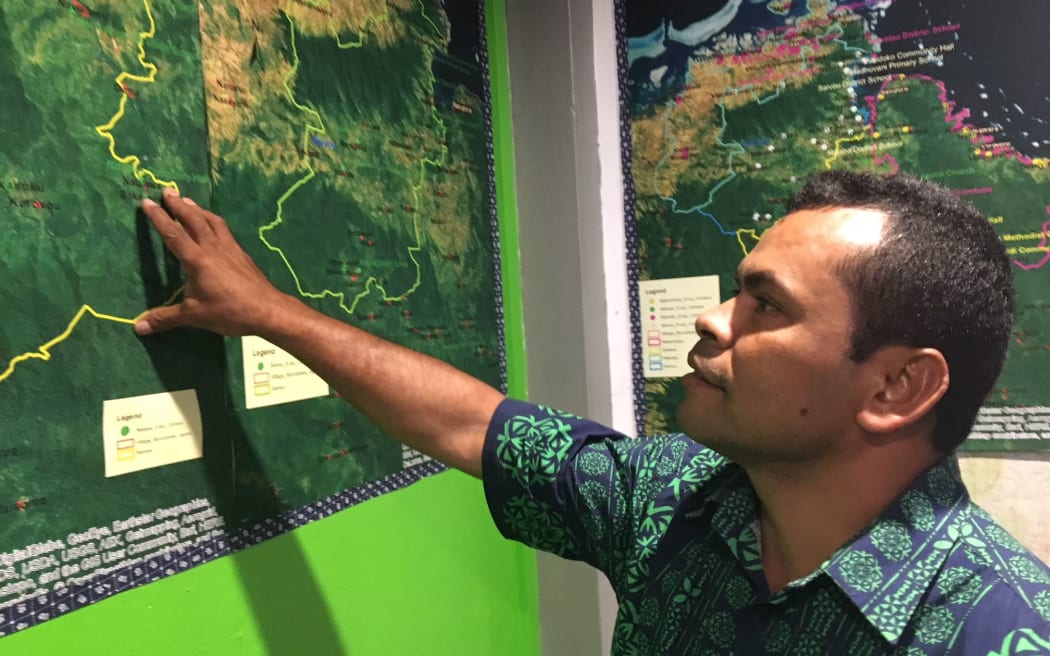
(704, 373)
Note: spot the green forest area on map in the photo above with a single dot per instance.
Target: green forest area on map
(714, 164)
(314, 130)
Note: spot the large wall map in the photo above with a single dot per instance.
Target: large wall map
(732, 104)
(347, 144)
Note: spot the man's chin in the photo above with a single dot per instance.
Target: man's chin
(702, 427)
(727, 446)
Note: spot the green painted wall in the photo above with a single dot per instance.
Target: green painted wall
(418, 571)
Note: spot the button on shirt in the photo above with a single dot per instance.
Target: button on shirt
(674, 526)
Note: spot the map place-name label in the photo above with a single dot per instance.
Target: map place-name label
(669, 309)
(142, 432)
(272, 376)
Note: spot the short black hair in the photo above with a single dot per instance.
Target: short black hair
(940, 278)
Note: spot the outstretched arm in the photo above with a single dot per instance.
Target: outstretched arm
(416, 399)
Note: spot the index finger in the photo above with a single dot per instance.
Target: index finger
(189, 215)
(171, 231)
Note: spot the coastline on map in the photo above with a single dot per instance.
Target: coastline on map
(983, 74)
(1002, 96)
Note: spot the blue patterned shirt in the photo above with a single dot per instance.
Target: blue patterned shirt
(673, 525)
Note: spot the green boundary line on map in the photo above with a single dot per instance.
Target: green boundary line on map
(506, 198)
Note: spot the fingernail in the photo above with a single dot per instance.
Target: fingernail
(189, 201)
(146, 202)
(143, 328)
(168, 191)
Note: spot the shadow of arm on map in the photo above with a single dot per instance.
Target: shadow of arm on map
(289, 608)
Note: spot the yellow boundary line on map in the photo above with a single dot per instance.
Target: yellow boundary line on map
(740, 238)
(105, 131)
(838, 147)
(44, 351)
(319, 128)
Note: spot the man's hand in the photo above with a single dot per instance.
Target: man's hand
(225, 292)
(414, 398)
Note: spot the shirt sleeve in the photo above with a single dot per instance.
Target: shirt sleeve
(581, 490)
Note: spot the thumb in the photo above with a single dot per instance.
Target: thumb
(159, 320)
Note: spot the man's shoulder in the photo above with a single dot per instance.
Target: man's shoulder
(588, 446)
(1016, 572)
(996, 588)
(937, 572)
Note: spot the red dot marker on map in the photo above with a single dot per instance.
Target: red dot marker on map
(79, 6)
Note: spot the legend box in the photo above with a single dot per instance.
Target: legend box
(142, 432)
(669, 308)
(272, 376)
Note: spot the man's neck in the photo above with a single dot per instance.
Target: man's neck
(809, 511)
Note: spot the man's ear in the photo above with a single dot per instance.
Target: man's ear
(906, 385)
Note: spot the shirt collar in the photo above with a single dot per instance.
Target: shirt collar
(887, 569)
(733, 507)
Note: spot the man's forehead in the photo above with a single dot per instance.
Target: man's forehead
(802, 249)
(845, 226)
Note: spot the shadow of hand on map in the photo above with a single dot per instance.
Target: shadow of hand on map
(290, 611)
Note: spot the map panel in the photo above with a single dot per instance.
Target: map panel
(346, 145)
(732, 105)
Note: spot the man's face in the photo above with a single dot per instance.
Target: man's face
(772, 379)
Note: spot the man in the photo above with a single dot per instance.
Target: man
(825, 514)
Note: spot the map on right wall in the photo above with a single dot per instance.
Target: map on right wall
(732, 104)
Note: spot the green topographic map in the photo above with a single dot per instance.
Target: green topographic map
(345, 144)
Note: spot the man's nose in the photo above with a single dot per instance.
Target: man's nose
(716, 325)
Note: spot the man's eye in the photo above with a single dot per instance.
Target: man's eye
(762, 304)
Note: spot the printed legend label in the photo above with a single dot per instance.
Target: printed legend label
(143, 432)
(669, 310)
(272, 376)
